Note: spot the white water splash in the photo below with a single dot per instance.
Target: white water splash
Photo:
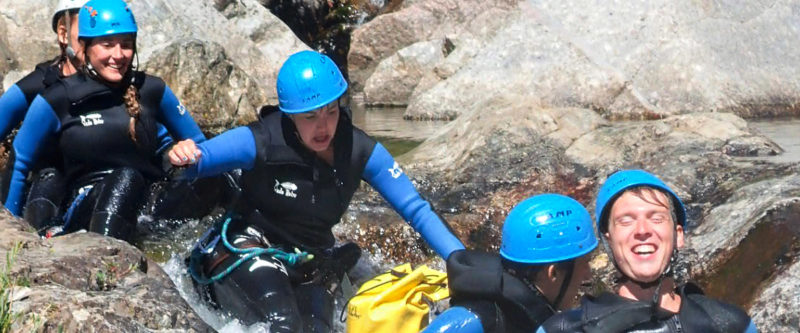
(368, 266)
(177, 271)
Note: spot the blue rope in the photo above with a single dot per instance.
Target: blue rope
(71, 210)
(290, 259)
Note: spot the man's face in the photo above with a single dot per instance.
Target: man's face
(641, 232)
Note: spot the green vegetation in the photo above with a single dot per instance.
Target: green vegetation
(108, 277)
(7, 317)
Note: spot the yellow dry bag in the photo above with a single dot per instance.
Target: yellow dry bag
(397, 301)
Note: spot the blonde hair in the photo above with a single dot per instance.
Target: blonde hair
(131, 99)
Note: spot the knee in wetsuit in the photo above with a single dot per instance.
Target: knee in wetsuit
(118, 203)
(259, 290)
(111, 205)
(43, 206)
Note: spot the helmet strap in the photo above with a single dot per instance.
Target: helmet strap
(564, 284)
(525, 274)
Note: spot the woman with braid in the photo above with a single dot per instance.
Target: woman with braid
(104, 120)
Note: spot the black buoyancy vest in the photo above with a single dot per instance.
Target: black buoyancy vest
(477, 279)
(44, 75)
(299, 196)
(612, 313)
(94, 133)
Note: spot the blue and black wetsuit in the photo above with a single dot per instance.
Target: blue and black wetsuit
(485, 297)
(18, 97)
(88, 122)
(47, 188)
(613, 313)
(293, 199)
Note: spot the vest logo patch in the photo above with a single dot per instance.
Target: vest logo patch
(285, 189)
(396, 171)
(181, 109)
(91, 119)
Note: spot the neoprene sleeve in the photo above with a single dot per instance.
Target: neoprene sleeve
(12, 109)
(234, 149)
(177, 119)
(40, 126)
(385, 175)
(455, 320)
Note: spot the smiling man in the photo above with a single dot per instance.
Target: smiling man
(641, 223)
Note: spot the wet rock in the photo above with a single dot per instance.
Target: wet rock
(624, 60)
(418, 21)
(775, 310)
(85, 281)
(746, 240)
(690, 152)
(396, 77)
(220, 93)
(326, 25)
(480, 165)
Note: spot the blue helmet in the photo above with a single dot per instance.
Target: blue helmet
(547, 228)
(99, 18)
(617, 183)
(308, 80)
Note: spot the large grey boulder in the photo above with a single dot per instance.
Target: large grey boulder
(28, 32)
(87, 282)
(396, 77)
(420, 21)
(220, 93)
(254, 40)
(628, 60)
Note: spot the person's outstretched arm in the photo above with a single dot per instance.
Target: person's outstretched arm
(40, 125)
(233, 149)
(385, 175)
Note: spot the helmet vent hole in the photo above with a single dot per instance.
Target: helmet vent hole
(578, 228)
(538, 235)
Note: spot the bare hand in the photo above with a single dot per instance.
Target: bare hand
(184, 153)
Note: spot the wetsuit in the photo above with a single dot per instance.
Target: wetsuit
(47, 188)
(88, 122)
(487, 298)
(294, 198)
(613, 313)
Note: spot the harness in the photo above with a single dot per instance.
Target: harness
(206, 245)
